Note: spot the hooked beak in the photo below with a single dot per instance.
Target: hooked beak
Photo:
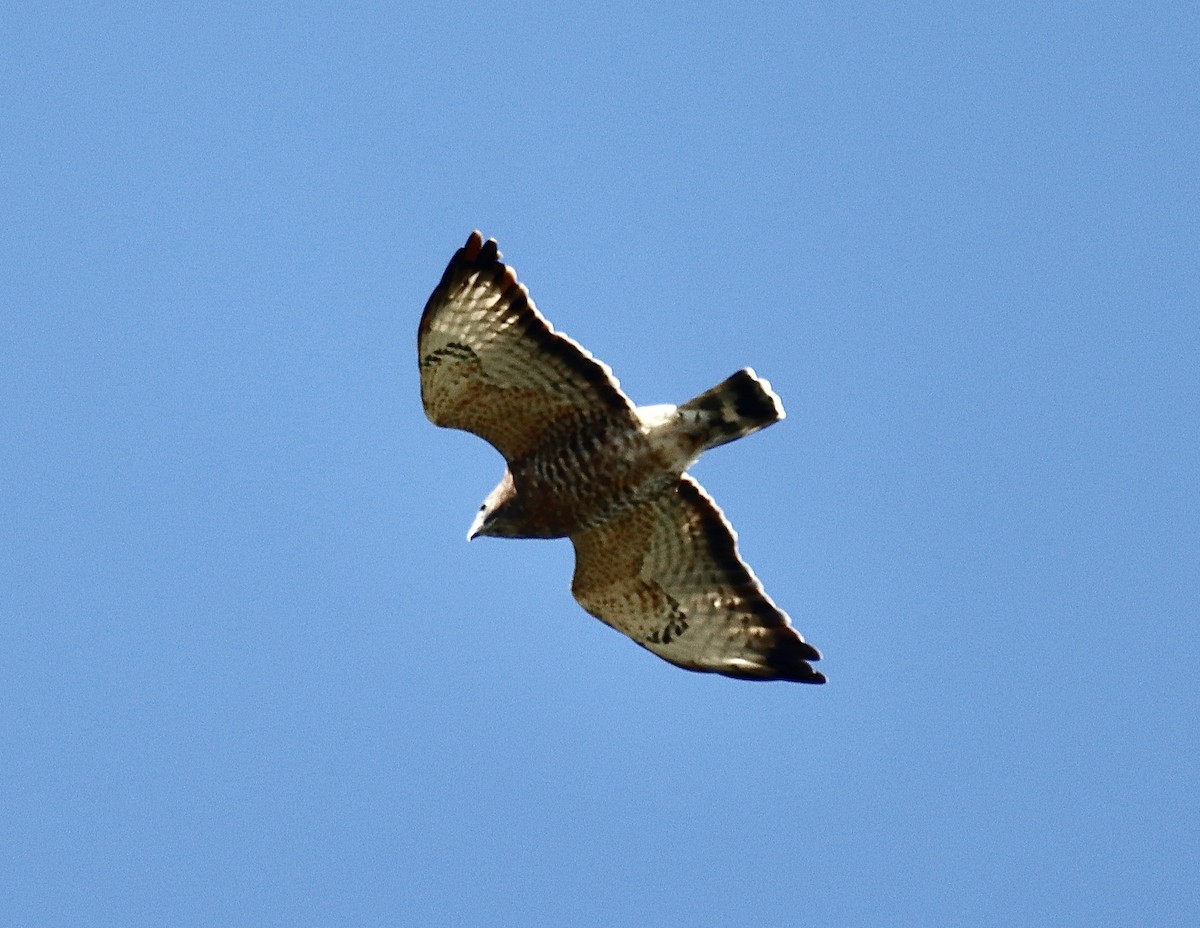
(476, 526)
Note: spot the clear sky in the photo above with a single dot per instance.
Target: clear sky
(251, 673)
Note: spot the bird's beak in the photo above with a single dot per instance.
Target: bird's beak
(476, 526)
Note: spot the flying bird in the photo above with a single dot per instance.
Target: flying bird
(655, 557)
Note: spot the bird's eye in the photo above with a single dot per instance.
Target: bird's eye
(483, 507)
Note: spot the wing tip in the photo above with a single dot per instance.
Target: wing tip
(794, 672)
(478, 251)
(790, 657)
(475, 253)
(806, 650)
(805, 675)
(770, 671)
(473, 246)
(786, 660)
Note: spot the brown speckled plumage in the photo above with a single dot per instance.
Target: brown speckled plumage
(655, 557)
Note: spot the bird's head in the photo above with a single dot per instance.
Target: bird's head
(501, 514)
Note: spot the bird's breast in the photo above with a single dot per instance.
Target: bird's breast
(590, 473)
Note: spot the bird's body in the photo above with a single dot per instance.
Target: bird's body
(607, 464)
(582, 476)
(655, 557)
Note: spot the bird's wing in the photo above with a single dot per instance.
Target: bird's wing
(491, 364)
(667, 573)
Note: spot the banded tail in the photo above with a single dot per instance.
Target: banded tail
(738, 406)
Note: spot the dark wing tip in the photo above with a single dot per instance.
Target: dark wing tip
(474, 245)
(788, 659)
(808, 652)
(790, 670)
(475, 254)
(476, 251)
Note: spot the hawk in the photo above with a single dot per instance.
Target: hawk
(655, 557)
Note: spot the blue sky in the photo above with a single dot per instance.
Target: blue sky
(252, 673)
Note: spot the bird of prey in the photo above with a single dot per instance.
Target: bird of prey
(655, 557)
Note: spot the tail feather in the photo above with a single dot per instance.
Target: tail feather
(738, 406)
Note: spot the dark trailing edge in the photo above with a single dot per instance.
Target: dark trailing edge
(791, 653)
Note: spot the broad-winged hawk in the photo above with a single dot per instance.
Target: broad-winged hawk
(654, 556)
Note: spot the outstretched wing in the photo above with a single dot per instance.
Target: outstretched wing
(667, 574)
(491, 364)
